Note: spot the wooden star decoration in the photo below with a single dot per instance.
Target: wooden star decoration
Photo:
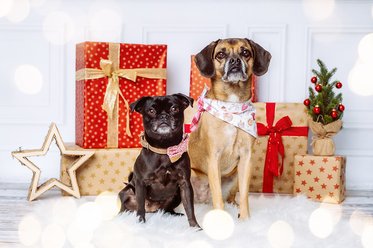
(34, 190)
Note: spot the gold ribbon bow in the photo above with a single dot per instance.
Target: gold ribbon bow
(110, 69)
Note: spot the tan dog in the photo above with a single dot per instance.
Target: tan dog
(220, 152)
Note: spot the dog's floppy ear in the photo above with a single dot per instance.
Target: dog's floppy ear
(139, 104)
(205, 61)
(186, 100)
(261, 58)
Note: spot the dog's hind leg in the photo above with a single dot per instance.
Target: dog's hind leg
(127, 199)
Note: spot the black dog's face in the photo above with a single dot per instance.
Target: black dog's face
(162, 115)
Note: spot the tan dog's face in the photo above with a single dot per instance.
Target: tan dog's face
(233, 60)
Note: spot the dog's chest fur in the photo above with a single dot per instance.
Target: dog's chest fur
(229, 142)
(161, 180)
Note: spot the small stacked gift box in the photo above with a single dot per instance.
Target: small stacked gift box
(109, 76)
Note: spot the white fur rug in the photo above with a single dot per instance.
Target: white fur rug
(276, 221)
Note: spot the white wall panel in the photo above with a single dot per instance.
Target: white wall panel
(271, 86)
(22, 45)
(337, 45)
(180, 47)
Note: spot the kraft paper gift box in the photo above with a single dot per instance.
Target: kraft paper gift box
(109, 76)
(198, 82)
(106, 170)
(282, 133)
(321, 178)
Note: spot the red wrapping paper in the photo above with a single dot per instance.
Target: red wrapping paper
(91, 118)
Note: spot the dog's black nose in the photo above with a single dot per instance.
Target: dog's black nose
(163, 116)
(235, 61)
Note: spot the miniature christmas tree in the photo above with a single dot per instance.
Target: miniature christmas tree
(323, 104)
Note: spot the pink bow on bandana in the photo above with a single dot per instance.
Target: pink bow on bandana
(197, 116)
(175, 152)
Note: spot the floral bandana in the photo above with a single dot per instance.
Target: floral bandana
(241, 115)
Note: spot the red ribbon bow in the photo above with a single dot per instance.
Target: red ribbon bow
(275, 148)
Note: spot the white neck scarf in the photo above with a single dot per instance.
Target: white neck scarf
(241, 115)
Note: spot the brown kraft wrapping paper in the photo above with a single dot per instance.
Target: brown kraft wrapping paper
(290, 127)
(321, 178)
(106, 170)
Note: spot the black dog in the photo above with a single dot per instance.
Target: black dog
(161, 176)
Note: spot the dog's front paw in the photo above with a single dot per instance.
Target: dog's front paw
(195, 225)
(141, 217)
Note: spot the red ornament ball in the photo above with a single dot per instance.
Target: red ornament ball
(341, 107)
(334, 114)
(316, 109)
(318, 87)
(313, 80)
(307, 102)
(338, 85)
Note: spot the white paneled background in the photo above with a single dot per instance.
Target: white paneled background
(43, 34)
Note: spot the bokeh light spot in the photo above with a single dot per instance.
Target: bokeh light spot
(366, 49)
(53, 236)
(218, 224)
(318, 9)
(28, 79)
(360, 79)
(77, 236)
(64, 211)
(89, 216)
(367, 236)
(6, 6)
(109, 204)
(280, 234)
(58, 27)
(29, 230)
(19, 11)
(335, 210)
(358, 221)
(321, 223)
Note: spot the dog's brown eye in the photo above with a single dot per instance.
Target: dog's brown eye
(174, 109)
(221, 55)
(151, 111)
(246, 53)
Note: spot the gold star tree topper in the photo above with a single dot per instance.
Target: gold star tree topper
(35, 191)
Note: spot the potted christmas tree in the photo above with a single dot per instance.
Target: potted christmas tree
(326, 110)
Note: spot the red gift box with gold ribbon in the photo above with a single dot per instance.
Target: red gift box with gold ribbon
(282, 133)
(109, 76)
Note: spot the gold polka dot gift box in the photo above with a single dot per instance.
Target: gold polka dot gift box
(321, 178)
(282, 134)
(106, 170)
(109, 76)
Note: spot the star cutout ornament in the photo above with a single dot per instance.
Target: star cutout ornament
(35, 189)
